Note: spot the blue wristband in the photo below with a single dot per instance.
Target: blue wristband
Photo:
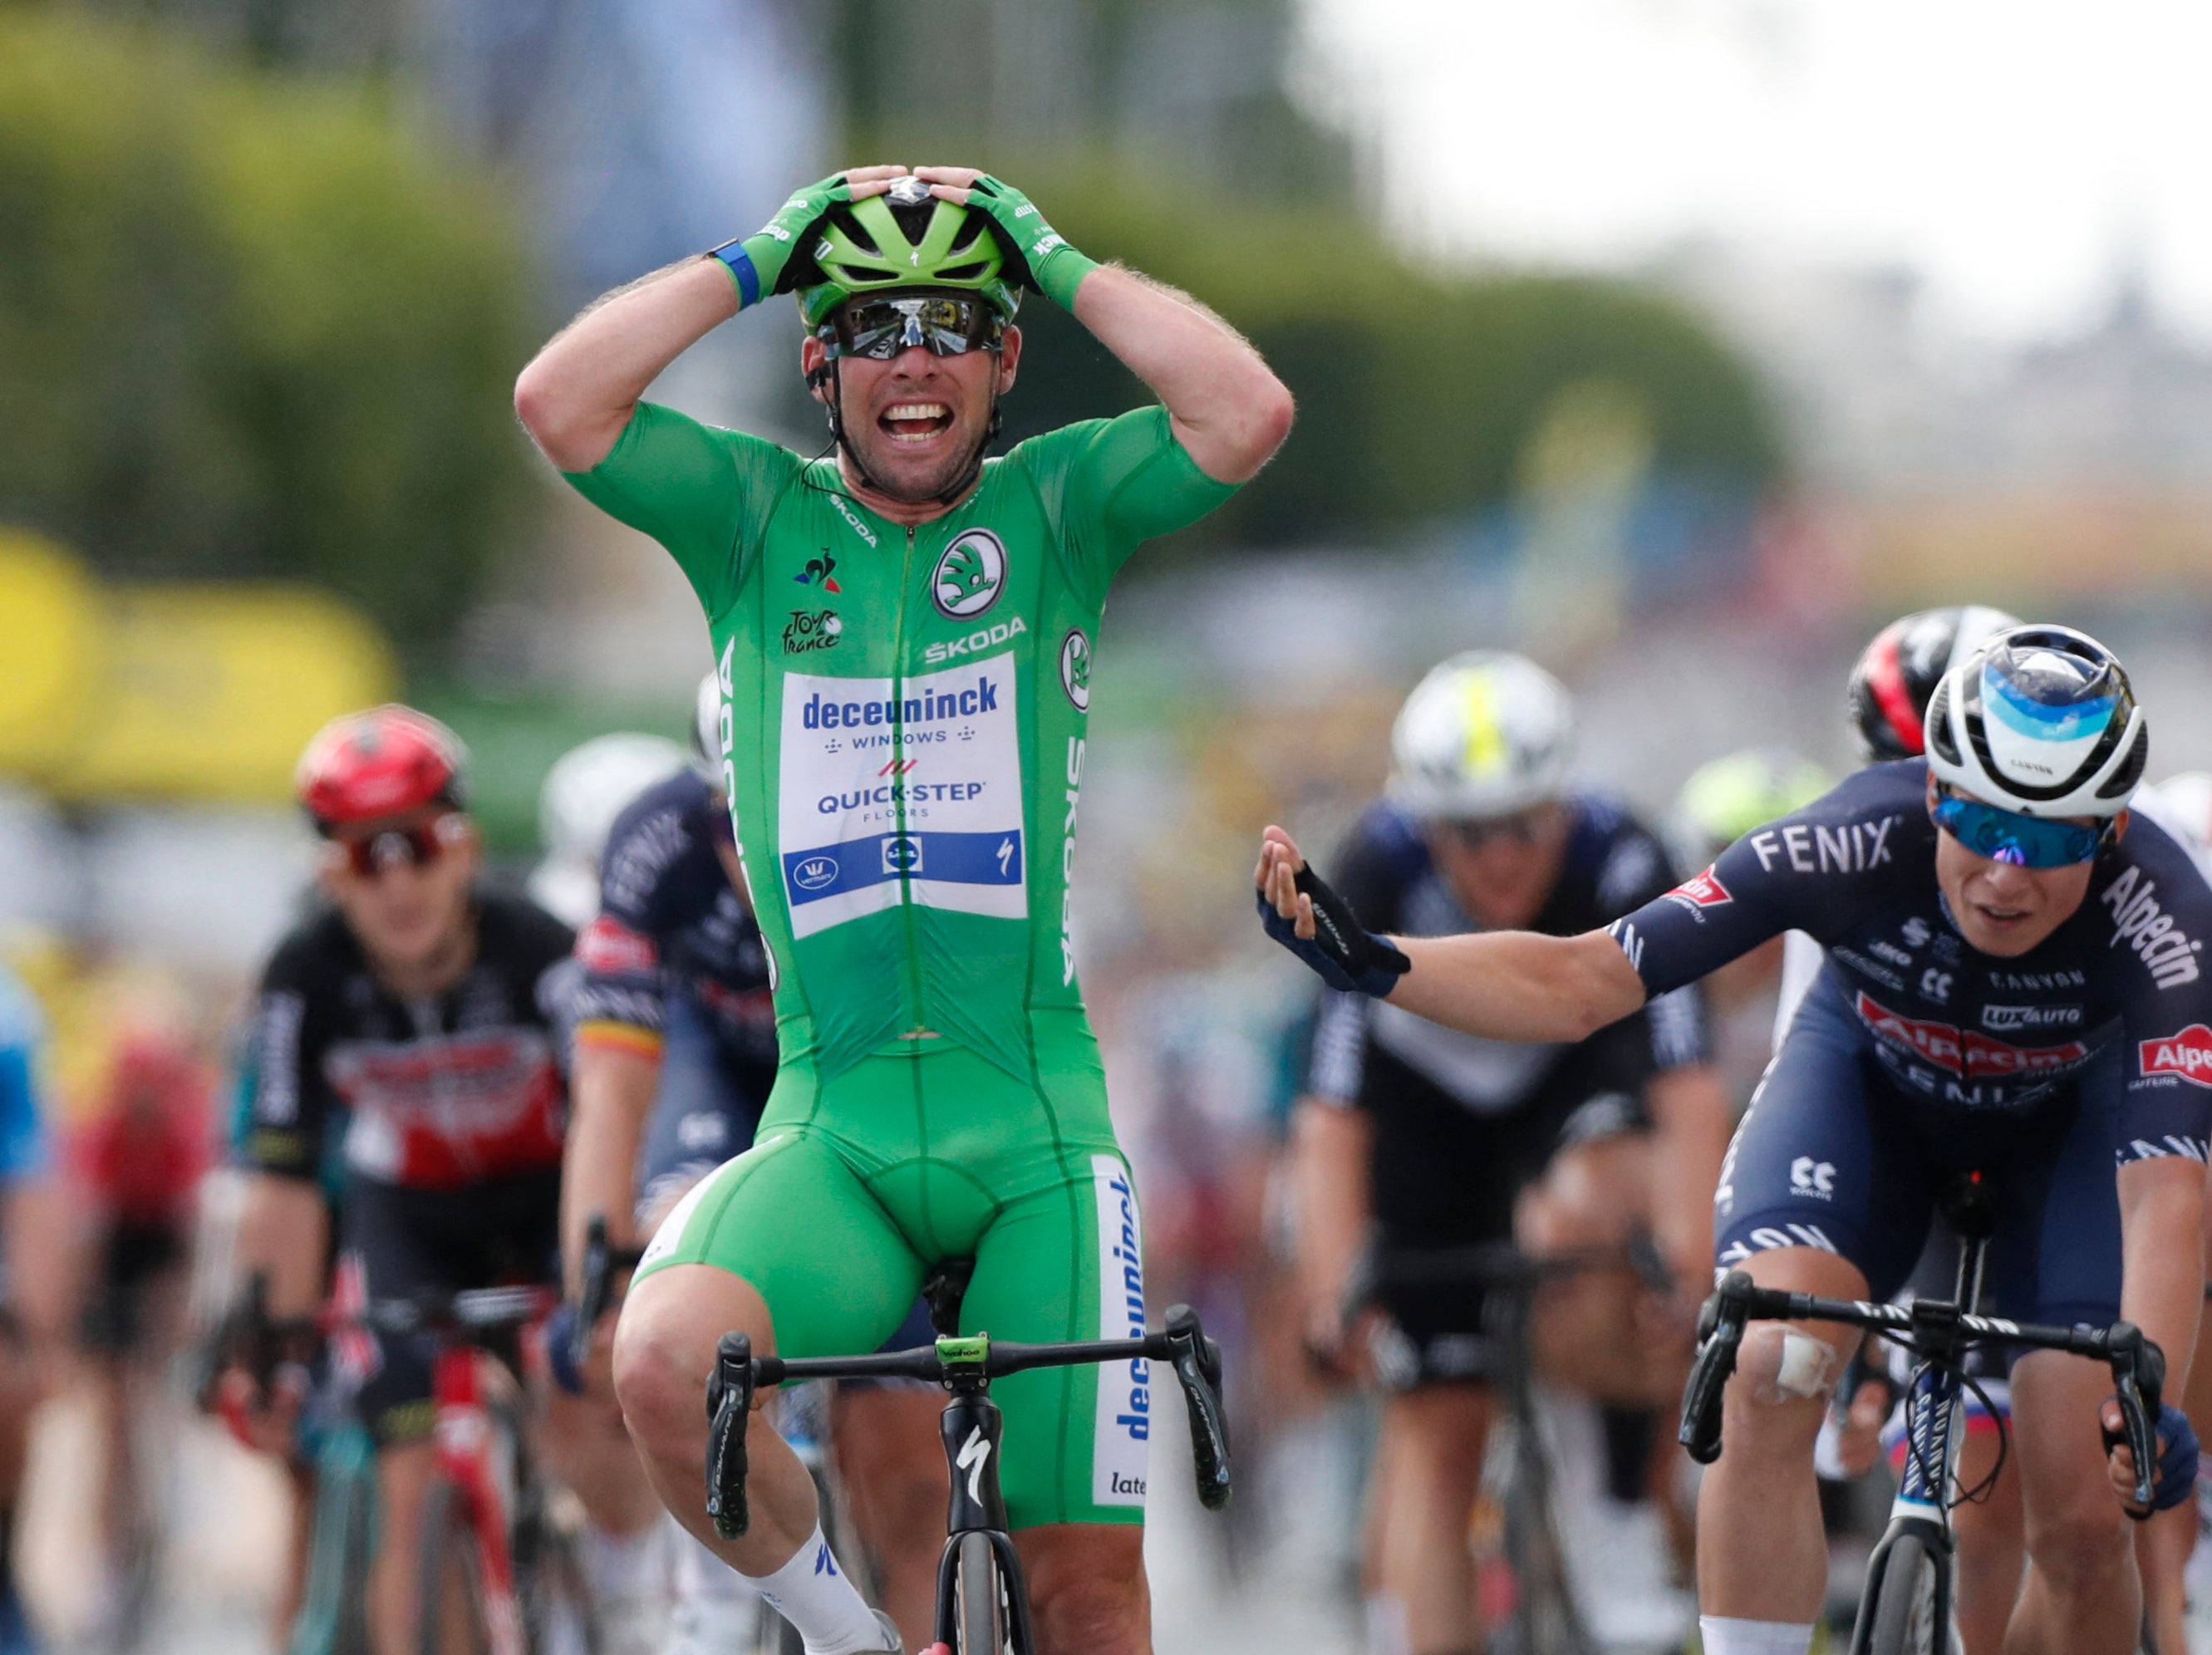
(733, 254)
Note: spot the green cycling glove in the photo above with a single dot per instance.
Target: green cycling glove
(1055, 269)
(761, 264)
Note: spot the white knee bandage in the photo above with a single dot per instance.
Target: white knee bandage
(1786, 1366)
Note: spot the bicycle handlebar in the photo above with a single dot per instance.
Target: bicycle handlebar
(738, 1375)
(2138, 1365)
(601, 1261)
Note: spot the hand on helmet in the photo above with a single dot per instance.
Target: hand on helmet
(1305, 916)
(1049, 264)
(767, 255)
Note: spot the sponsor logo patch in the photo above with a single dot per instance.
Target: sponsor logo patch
(969, 575)
(2002, 1017)
(1965, 1052)
(818, 573)
(1075, 668)
(609, 948)
(1700, 891)
(1123, 1423)
(2141, 922)
(2188, 1054)
(809, 630)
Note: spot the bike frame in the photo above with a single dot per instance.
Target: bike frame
(466, 1438)
(1935, 1434)
(970, 1426)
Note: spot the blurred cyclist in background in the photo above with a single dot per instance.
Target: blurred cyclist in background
(24, 1304)
(1723, 800)
(136, 1161)
(424, 1014)
(1434, 1139)
(676, 1053)
(577, 802)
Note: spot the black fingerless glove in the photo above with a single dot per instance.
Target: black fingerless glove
(1345, 954)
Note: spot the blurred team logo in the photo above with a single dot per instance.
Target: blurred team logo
(812, 629)
(2188, 1055)
(1700, 891)
(818, 572)
(609, 948)
(1075, 668)
(969, 575)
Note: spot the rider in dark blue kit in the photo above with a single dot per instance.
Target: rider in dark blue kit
(2014, 982)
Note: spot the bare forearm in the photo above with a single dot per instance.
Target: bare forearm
(283, 1233)
(1519, 985)
(1330, 1149)
(578, 393)
(2162, 1291)
(1689, 1118)
(1228, 410)
(612, 1095)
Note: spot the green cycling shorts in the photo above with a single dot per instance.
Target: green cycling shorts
(858, 1186)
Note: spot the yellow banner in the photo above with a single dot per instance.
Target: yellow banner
(210, 691)
(51, 614)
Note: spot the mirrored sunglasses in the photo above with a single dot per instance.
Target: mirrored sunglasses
(2008, 836)
(947, 324)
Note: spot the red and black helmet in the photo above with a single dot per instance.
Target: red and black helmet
(367, 767)
(1893, 679)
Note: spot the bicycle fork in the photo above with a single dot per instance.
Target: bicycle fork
(1933, 1408)
(971, 1425)
(467, 1458)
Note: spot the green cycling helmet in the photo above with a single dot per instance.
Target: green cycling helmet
(1725, 799)
(884, 243)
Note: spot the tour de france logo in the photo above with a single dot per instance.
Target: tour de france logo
(969, 576)
(1075, 668)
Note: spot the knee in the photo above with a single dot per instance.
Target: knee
(1099, 1610)
(661, 1387)
(2084, 1541)
(1780, 1389)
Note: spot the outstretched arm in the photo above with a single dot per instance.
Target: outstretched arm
(1506, 985)
(577, 396)
(1227, 408)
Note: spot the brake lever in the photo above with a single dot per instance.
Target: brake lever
(729, 1408)
(1198, 1366)
(1720, 1332)
(591, 1302)
(2139, 1385)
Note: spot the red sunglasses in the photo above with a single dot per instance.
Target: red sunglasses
(419, 846)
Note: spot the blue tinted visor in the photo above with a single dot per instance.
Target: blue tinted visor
(2008, 836)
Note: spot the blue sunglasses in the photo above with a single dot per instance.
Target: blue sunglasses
(2008, 836)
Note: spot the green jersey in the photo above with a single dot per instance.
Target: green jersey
(904, 713)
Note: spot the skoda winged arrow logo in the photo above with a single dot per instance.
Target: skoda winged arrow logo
(1075, 668)
(969, 575)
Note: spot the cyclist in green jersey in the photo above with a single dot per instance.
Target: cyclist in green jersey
(903, 634)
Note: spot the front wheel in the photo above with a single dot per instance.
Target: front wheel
(979, 1591)
(1904, 1614)
(450, 1602)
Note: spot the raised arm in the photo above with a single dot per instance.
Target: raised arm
(1227, 408)
(577, 395)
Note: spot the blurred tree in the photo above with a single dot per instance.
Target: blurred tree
(1418, 392)
(246, 328)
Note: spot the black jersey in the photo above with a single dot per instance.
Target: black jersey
(434, 1093)
(1377, 1055)
(1856, 869)
(669, 920)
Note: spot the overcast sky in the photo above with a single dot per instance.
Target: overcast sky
(2016, 151)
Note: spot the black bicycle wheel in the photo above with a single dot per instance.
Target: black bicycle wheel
(980, 1592)
(1904, 1607)
(449, 1606)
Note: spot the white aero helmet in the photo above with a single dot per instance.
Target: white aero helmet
(2042, 720)
(1486, 734)
(582, 794)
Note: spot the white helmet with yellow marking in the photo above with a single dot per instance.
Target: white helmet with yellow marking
(1486, 734)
